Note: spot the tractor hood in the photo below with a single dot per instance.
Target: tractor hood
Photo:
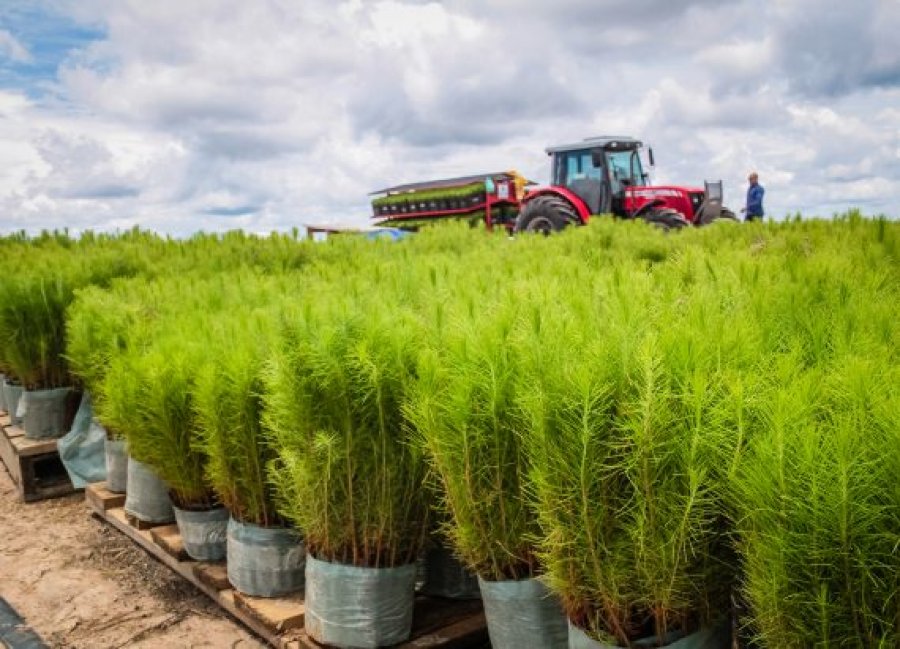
(662, 191)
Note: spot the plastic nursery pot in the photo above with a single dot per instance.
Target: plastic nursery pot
(446, 577)
(146, 496)
(11, 394)
(44, 413)
(349, 606)
(116, 465)
(264, 561)
(523, 613)
(717, 637)
(203, 532)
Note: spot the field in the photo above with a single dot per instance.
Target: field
(676, 432)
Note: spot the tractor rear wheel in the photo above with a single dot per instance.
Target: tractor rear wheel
(546, 214)
(665, 218)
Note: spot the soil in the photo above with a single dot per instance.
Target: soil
(80, 584)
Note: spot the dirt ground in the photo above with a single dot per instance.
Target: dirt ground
(78, 583)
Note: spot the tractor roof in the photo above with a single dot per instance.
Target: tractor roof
(599, 141)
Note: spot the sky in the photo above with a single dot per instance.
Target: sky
(187, 115)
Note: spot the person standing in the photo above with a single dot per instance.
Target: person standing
(755, 192)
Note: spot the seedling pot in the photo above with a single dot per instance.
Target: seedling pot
(203, 532)
(523, 613)
(116, 465)
(349, 606)
(146, 496)
(11, 394)
(44, 413)
(711, 638)
(264, 561)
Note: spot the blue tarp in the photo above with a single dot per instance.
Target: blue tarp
(388, 233)
(82, 449)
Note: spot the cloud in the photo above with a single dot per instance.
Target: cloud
(270, 114)
(11, 48)
(239, 210)
(839, 50)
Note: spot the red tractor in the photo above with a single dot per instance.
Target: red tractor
(604, 175)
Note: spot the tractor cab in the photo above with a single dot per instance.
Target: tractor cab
(605, 175)
(598, 171)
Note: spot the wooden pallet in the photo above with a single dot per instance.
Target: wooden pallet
(33, 464)
(436, 622)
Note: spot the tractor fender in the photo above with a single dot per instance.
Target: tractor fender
(646, 207)
(561, 192)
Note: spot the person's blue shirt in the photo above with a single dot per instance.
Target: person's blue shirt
(755, 195)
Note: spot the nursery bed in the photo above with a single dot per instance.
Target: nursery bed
(279, 621)
(33, 465)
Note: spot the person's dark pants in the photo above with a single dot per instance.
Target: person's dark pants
(754, 217)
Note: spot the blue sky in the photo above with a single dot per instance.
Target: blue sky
(215, 114)
(49, 36)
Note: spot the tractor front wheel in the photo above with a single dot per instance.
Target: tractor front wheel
(546, 214)
(665, 218)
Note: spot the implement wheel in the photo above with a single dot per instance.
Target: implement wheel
(546, 214)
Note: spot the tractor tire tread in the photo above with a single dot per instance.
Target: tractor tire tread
(558, 211)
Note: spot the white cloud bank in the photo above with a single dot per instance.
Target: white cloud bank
(274, 113)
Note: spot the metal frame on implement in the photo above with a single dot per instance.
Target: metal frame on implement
(507, 192)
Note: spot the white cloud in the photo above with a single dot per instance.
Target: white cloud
(11, 48)
(210, 114)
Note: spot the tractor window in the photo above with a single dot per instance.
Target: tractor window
(587, 163)
(577, 165)
(624, 169)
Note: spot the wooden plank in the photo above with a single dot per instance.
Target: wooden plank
(224, 598)
(169, 539)
(119, 518)
(33, 465)
(278, 614)
(26, 447)
(435, 612)
(5, 419)
(437, 623)
(138, 524)
(99, 498)
(214, 575)
(470, 631)
(10, 459)
(46, 492)
(14, 431)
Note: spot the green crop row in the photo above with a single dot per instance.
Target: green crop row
(426, 195)
(656, 424)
